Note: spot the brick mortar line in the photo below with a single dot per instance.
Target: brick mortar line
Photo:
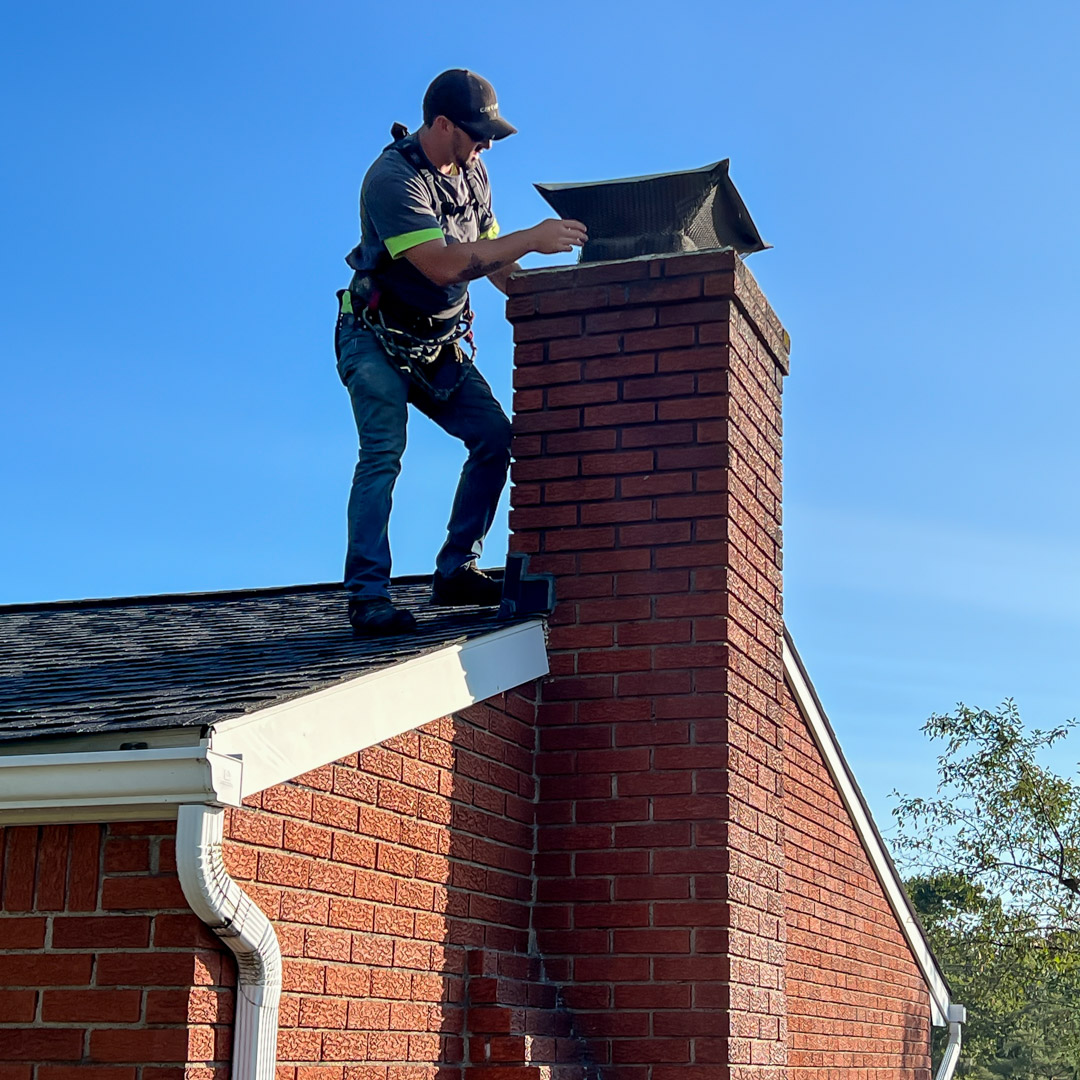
(332, 793)
(342, 830)
(456, 859)
(107, 950)
(116, 1025)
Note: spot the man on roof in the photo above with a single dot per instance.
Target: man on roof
(427, 231)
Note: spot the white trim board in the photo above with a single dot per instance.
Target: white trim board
(821, 731)
(285, 740)
(243, 755)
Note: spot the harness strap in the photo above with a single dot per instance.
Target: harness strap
(415, 157)
(420, 357)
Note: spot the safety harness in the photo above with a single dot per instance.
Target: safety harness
(412, 153)
(438, 364)
(423, 357)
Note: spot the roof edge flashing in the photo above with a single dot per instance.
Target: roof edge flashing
(942, 1009)
(100, 742)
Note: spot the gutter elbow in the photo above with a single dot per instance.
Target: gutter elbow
(234, 917)
(950, 1059)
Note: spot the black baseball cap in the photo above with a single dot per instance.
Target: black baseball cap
(469, 101)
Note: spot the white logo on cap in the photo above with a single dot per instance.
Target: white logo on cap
(492, 108)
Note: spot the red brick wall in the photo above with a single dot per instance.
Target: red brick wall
(400, 883)
(106, 974)
(857, 1005)
(647, 480)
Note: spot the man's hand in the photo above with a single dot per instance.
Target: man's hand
(450, 264)
(547, 238)
(556, 235)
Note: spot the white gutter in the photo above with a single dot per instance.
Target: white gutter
(235, 918)
(116, 785)
(951, 1058)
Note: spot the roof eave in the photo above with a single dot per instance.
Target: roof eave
(243, 755)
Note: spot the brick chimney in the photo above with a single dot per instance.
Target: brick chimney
(647, 481)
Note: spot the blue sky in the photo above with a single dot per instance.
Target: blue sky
(178, 188)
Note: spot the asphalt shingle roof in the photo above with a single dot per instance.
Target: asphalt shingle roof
(141, 663)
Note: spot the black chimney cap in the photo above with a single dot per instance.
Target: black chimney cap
(693, 210)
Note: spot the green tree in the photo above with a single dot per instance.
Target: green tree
(995, 864)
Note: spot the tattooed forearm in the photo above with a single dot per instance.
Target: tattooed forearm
(477, 268)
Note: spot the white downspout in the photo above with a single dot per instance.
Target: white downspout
(235, 918)
(957, 1018)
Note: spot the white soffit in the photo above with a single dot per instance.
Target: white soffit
(285, 740)
(248, 753)
(807, 700)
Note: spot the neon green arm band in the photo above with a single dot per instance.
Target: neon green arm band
(398, 245)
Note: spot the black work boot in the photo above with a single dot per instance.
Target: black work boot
(467, 587)
(377, 617)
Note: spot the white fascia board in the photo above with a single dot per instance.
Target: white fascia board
(286, 740)
(114, 786)
(823, 736)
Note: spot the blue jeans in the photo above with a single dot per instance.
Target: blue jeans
(380, 394)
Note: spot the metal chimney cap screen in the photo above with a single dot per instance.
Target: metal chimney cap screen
(693, 210)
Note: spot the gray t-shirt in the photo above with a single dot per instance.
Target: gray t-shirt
(397, 212)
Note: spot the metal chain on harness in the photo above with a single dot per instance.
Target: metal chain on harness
(417, 356)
